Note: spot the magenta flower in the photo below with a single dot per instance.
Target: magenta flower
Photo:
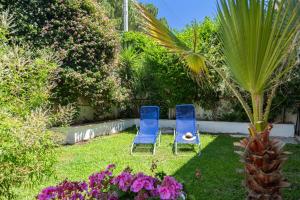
(143, 182)
(123, 181)
(110, 167)
(164, 193)
(66, 189)
(103, 185)
(137, 185)
(47, 193)
(169, 188)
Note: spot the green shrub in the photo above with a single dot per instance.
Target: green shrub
(26, 151)
(26, 147)
(63, 115)
(6, 23)
(158, 77)
(86, 42)
(24, 78)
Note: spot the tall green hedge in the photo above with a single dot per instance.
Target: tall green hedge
(158, 77)
(84, 38)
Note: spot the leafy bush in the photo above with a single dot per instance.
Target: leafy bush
(26, 148)
(6, 24)
(157, 77)
(63, 115)
(288, 95)
(103, 185)
(24, 78)
(26, 151)
(87, 44)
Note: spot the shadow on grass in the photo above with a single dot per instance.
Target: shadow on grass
(217, 165)
(148, 149)
(145, 149)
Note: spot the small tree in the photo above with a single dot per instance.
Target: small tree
(259, 40)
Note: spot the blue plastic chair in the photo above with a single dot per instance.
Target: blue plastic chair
(149, 131)
(186, 122)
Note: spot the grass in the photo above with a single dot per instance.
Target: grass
(218, 165)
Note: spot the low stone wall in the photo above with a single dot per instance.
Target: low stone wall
(216, 127)
(76, 134)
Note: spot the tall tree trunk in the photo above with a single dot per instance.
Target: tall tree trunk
(263, 158)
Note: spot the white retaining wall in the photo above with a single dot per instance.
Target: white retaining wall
(76, 134)
(279, 130)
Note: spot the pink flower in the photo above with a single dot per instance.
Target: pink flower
(143, 182)
(102, 185)
(123, 181)
(170, 188)
(164, 193)
(137, 185)
(110, 167)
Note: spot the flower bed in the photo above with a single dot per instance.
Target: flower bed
(103, 185)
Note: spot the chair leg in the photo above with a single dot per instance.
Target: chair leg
(175, 148)
(154, 148)
(159, 139)
(131, 149)
(199, 154)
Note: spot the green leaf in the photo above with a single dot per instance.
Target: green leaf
(256, 37)
(167, 39)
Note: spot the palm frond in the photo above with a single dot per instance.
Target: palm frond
(256, 37)
(155, 29)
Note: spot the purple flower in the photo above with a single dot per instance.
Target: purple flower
(169, 188)
(83, 186)
(101, 186)
(137, 185)
(148, 184)
(123, 181)
(110, 167)
(95, 193)
(47, 193)
(77, 196)
(64, 190)
(164, 193)
(143, 182)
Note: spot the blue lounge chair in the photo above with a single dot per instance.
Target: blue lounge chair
(186, 122)
(148, 132)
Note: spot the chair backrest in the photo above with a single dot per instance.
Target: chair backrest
(149, 120)
(185, 119)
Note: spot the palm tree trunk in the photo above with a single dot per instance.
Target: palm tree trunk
(257, 105)
(263, 158)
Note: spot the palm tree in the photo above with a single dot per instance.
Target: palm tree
(259, 39)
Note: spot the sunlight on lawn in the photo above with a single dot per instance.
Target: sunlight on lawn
(217, 164)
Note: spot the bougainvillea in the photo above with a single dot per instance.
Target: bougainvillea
(103, 185)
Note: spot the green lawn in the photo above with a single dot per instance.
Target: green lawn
(218, 165)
